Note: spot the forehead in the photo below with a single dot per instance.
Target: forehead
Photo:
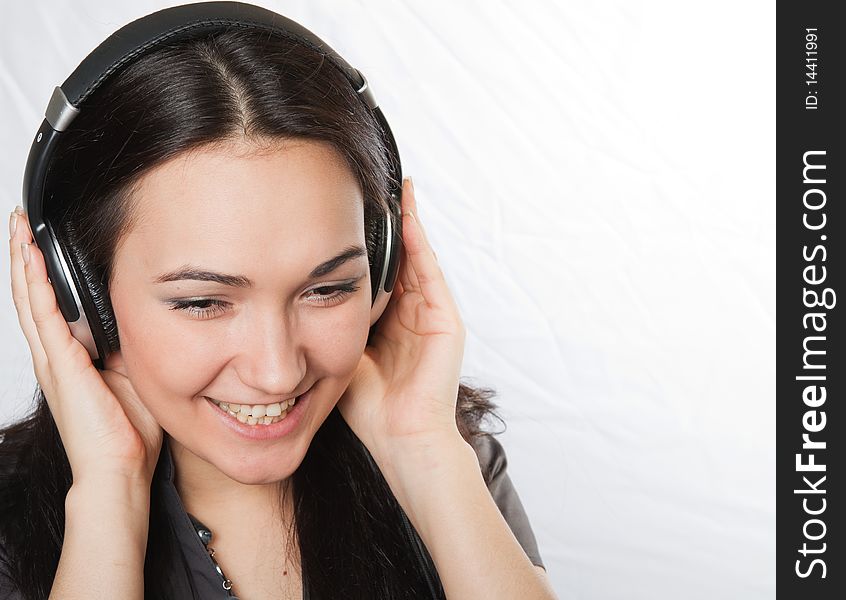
(299, 198)
(296, 178)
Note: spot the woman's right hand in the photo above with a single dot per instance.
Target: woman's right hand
(105, 428)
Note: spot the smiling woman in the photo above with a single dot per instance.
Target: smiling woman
(247, 391)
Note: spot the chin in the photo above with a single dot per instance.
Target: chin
(258, 479)
(257, 470)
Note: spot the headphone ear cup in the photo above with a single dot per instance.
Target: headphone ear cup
(395, 246)
(377, 262)
(375, 244)
(386, 259)
(91, 291)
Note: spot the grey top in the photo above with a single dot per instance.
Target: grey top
(208, 581)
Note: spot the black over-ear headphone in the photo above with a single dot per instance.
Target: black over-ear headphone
(80, 295)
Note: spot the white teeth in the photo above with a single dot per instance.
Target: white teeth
(254, 414)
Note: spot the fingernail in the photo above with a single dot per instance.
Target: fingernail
(25, 252)
(19, 209)
(411, 181)
(13, 224)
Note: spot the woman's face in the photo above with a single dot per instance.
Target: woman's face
(268, 220)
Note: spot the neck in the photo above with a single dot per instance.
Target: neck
(250, 538)
(217, 499)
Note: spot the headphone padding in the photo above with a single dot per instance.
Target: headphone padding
(92, 292)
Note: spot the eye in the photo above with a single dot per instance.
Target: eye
(337, 295)
(203, 309)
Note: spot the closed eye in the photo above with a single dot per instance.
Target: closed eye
(204, 309)
(337, 293)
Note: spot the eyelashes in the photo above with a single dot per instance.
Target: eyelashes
(206, 308)
(203, 309)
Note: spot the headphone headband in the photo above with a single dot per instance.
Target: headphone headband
(144, 34)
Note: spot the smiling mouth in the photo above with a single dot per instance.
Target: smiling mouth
(257, 414)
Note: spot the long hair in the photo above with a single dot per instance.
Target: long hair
(184, 96)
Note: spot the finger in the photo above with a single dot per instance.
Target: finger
(20, 292)
(412, 206)
(428, 274)
(398, 288)
(53, 331)
(407, 276)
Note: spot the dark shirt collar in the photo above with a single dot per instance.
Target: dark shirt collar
(205, 578)
(164, 467)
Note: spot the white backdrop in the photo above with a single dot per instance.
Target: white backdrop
(597, 179)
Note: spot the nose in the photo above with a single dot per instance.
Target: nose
(271, 360)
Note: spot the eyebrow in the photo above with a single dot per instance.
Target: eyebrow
(197, 274)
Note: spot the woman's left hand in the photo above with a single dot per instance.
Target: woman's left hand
(406, 385)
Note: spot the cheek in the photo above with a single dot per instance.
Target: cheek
(336, 338)
(162, 360)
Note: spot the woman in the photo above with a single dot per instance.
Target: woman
(245, 400)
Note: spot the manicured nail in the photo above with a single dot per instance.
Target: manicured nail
(13, 223)
(19, 209)
(25, 252)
